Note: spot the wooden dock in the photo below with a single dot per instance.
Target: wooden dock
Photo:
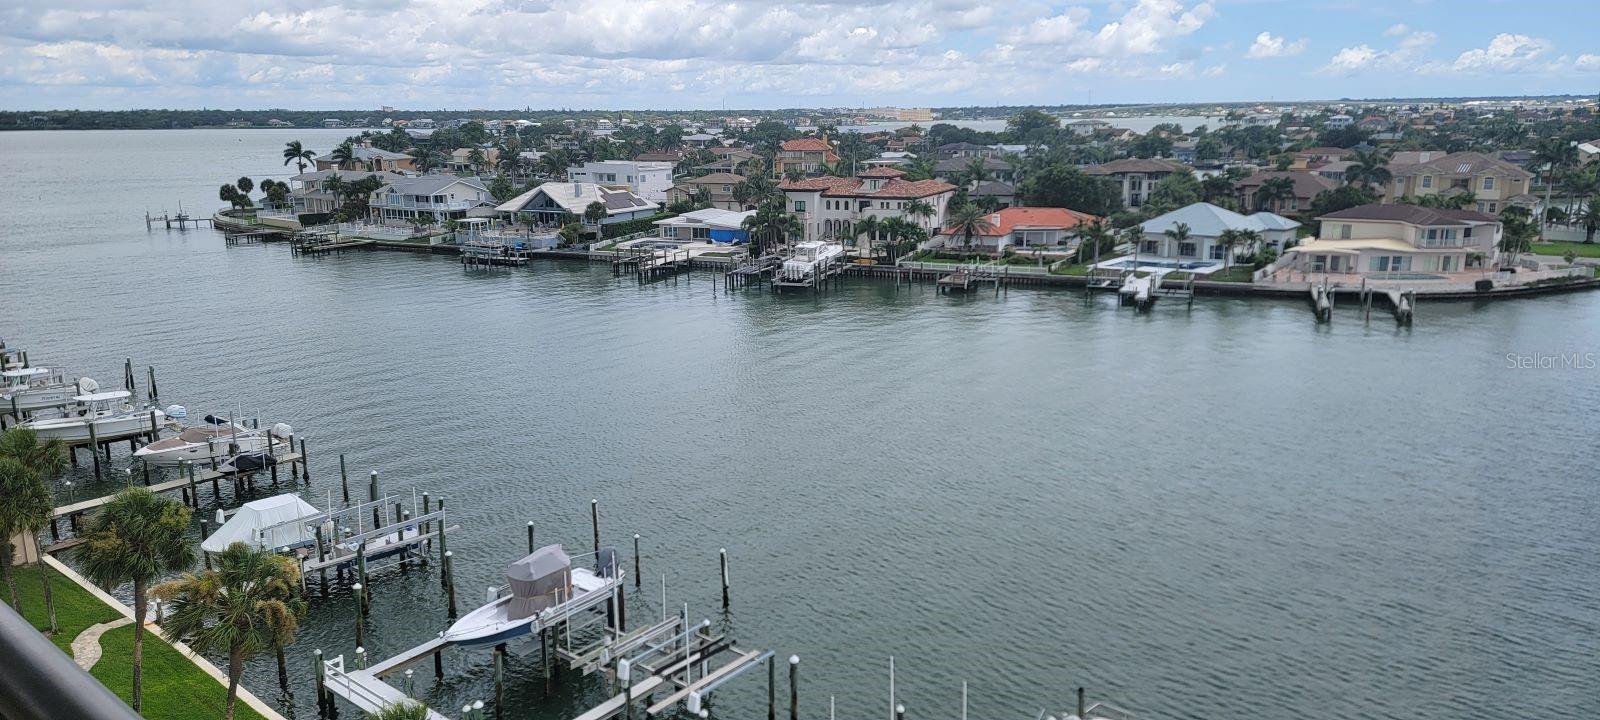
(752, 271)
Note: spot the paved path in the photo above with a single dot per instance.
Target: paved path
(86, 646)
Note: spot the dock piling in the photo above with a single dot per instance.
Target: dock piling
(322, 691)
(361, 633)
(151, 390)
(372, 496)
(594, 520)
(794, 687)
(724, 561)
(637, 576)
(530, 536)
(449, 581)
(500, 681)
(344, 480)
(94, 448)
(305, 468)
(772, 689)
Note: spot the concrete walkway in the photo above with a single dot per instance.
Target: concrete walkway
(86, 646)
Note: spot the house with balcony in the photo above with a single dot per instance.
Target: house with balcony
(1021, 228)
(807, 156)
(366, 157)
(718, 186)
(830, 206)
(649, 180)
(1383, 240)
(711, 225)
(310, 193)
(444, 197)
(1493, 183)
(1204, 225)
(1136, 176)
(554, 203)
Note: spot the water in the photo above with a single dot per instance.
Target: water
(1223, 511)
(1137, 123)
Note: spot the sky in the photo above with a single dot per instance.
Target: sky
(711, 54)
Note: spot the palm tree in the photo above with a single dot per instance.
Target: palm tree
(1273, 191)
(25, 502)
(427, 158)
(921, 168)
(770, 224)
(1233, 238)
(895, 230)
(969, 221)
(476, 159)
(1518, 228)
(344, 155)
(1554, 154)
(1589, 217)
(1096, 235)
(867, 227)
(137, 537)
(975, 172)
(920, 209)
(250, 603)
(1177, 235)
(1371, 167)
(294, 152)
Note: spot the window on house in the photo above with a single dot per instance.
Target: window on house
(799, 206)
(1427, 181)
(1186, 249)
(1488, 183)
(1467, 233)
(1344, 231)
(1147, 246)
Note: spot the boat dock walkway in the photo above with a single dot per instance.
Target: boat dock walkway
(364, 689)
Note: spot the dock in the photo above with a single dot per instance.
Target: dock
(752, 271)
(649, 265)
(319, 241)
(181, 221)
(252, 237)
(1137, 290)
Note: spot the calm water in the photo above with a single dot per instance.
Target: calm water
(1227, 511)
(1141, 123)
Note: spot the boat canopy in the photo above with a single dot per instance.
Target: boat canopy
(277, 513)
(538, 581)
(103, 396)
(26, 372)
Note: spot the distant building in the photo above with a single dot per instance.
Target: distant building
(1386, 239)
(1205, 224)
(1136, 176)
(1494, 184)
(557, 202)
(830, 206)
(718, 186)
(445, 197)
(806, 155)
(649, 180)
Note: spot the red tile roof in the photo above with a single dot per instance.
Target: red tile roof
(881, 171)
(1031, 218)
(807, 144)
(896, 189)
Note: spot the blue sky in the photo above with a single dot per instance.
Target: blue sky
(678, 54)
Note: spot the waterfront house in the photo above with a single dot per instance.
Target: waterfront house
(1086, 128)
(370, 158)
(953, 169)
(701, 140)
(805, 155)
(444, 197)
(1493, 183)
(711, 225)
(1020, 227)
(649, 180)
(309, 193)
(1307, 186)
(1206, 223)
(719, 186)
(554, 203)
(891, 159)
(964, 150)
(1386, 239)
(1004, 193)
(1136, 177)
(829, 206)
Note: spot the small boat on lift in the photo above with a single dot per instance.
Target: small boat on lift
(541, 588)
(110, 413)
(29, 389)
(217, 440)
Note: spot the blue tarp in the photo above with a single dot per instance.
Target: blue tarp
(729, 236)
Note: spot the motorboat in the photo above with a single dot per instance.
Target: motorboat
(110, 414)
(267, 524)
(289, 525)
(541, 588)
(247, 462)
(809, 257)
(217, 440)
(28, 389)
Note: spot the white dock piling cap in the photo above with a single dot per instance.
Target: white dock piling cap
(221, 517)
(794, 659)
(477, 704)
(693, 702)
(466, 709)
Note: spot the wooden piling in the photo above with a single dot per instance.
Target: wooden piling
(344, 480)
(372, 497)
(305, 468)
(361, 572)
(146, 464)
(444, 551)
(194, 494)
(772, 689)
(322, 556)
(361, 633)
(322, 690)
(127, 374)
(724, 561)
(94, 447)
(500, 681)
(438, 664)
(205, 531)
(151, 390)
(530, 536)
(594, 520)
(449, 581)
(637, 576)
(794, 687)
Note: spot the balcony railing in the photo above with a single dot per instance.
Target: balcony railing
(405, 204)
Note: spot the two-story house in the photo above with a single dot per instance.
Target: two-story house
(1307, 185)
(829, 206)
(554, 203)
(1493, 183)
(649, 180)
(445, 197)
(1387, 239)
(1136, 176)
(718, 186)
(365, 157)
(1020, 227)
(313, 193)
(805, 155)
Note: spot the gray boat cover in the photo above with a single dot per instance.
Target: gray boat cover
(538, 581)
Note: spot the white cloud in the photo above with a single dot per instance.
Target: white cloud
(1147, 28)
(1267, 45)
(1352, 59)
(1506, 53)
(1397, 29)
(1406, 55)
(1587, 62)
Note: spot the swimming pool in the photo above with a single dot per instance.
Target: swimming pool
(1408, 276)
(1131, 264)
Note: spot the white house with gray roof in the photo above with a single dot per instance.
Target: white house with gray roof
(445, 197)
(1205, 224)
(555, 202)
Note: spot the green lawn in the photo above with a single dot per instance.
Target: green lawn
(1234, 274)
(1559, 249)
(173, 686)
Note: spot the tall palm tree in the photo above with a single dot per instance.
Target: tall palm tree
(1232, 238)
(769, 225)
(897, 230)
(1273, 191)
(1589, 217)
(294, 152)
(137, 537)
(969, 221)
(975, 172)
(867, 227)
(344, 156)
(25, 502)
(250, 603)
(1177, 235)
(1095, 235)
(1371, 167)
(1553, 154)
(920, 209)
(476, 159)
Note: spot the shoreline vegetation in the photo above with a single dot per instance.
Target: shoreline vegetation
(174, 687)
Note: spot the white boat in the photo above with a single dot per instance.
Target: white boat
(219, 440)
(809, 257)
(288, 525)
(268, 523)
(541, 588)
(28, 389)
(112, 416)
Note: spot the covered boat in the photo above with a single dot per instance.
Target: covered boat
(540, 588)
(538, 581)
(268, 523)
